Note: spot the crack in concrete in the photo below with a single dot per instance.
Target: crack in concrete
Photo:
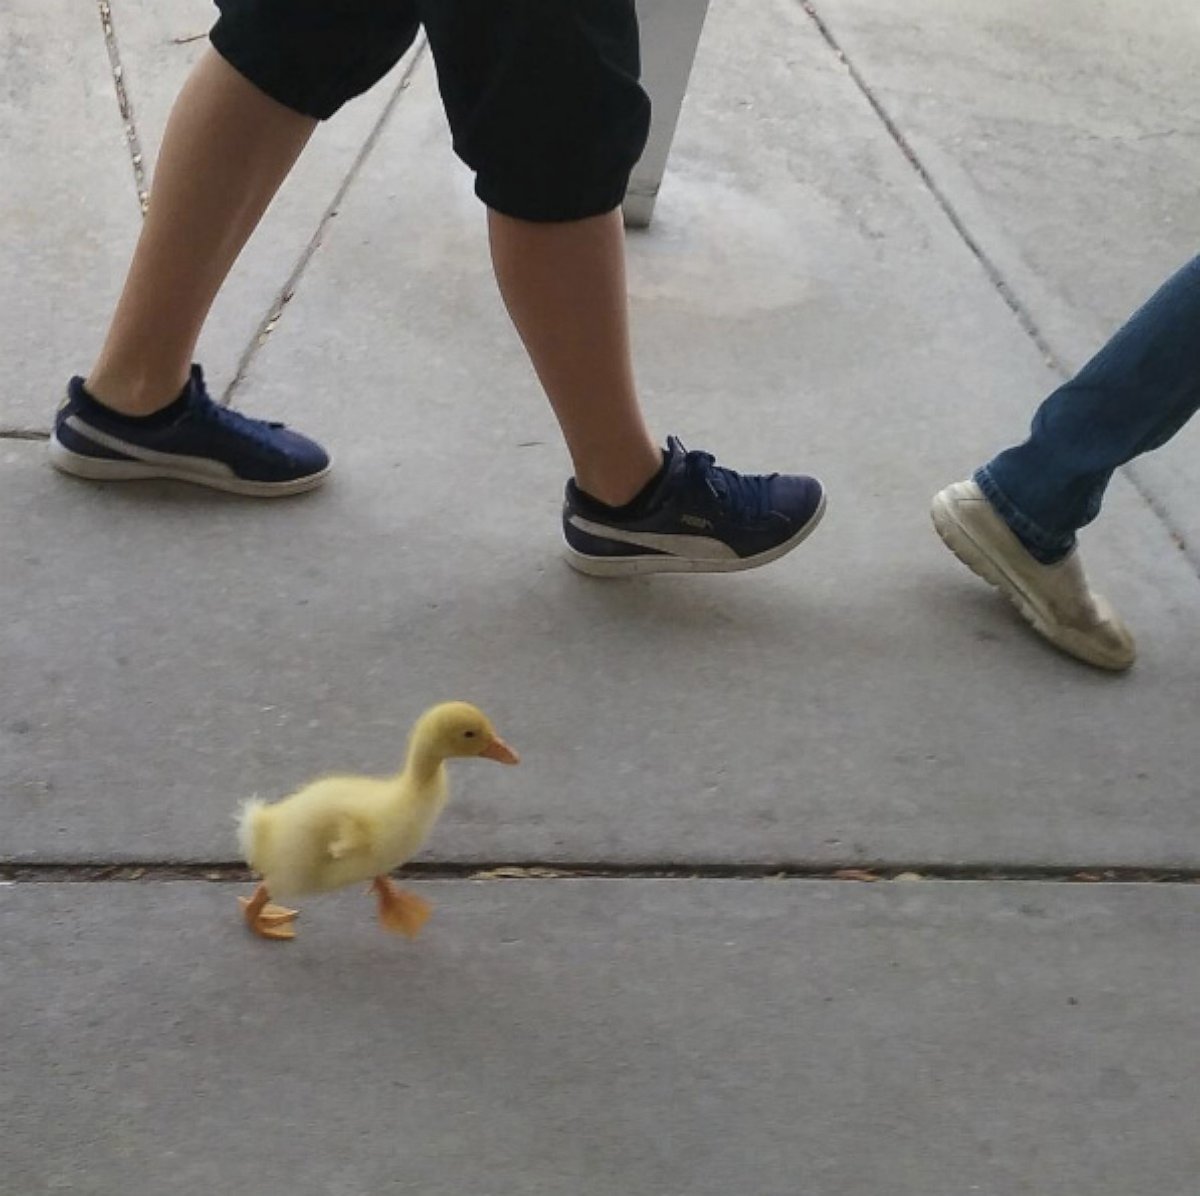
(23, 434)
(275, 312)
(1191, 552)
(136, 157)
(856, 871)
(1014, 303)
(1024, 316)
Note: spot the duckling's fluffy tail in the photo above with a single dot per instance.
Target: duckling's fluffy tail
(250, 827)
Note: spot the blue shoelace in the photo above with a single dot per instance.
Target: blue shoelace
(739, 495)
(205, 410)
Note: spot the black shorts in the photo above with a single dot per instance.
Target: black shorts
(542, 96)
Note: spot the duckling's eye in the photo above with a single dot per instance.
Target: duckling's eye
(469, 734)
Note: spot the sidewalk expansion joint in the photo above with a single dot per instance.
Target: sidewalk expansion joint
(1191, 552)
(136, 157)
(226, 871)
(276, 310)
(997, 279)
(23, 434)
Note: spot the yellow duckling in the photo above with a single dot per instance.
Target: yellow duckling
(341, 830)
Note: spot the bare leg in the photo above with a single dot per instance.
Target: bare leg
(269, 921)
(400, 910)
(227, 149)
(564, 286)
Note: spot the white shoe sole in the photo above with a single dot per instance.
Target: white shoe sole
(98, 469)
(957, 537)
(639, 566)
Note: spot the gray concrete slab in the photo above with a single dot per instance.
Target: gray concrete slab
(676, 1037)
(852, 703)
(158, 45)
(1065, 137)
(68, 206)
(801, 300)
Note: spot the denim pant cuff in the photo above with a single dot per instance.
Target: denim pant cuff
(1042, 546)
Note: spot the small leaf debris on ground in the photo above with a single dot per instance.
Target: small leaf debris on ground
(514, 873)
(856, 874)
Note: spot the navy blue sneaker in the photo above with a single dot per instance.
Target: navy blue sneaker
(697, 517)
(193, 440)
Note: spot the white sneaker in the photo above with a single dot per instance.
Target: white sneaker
(1054, 599)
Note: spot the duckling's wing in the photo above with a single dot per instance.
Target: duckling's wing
(351, 836)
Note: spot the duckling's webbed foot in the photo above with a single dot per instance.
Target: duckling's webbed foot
(400, 910)
(267, 920)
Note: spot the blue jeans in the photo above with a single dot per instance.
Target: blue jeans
(1133, 396)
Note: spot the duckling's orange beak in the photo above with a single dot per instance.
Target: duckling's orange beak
(500, 751)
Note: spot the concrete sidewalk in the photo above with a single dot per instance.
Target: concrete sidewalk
(607, 1037)
(884, 232)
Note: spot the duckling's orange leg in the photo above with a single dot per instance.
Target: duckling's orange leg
(400, 910)
(269, 921)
